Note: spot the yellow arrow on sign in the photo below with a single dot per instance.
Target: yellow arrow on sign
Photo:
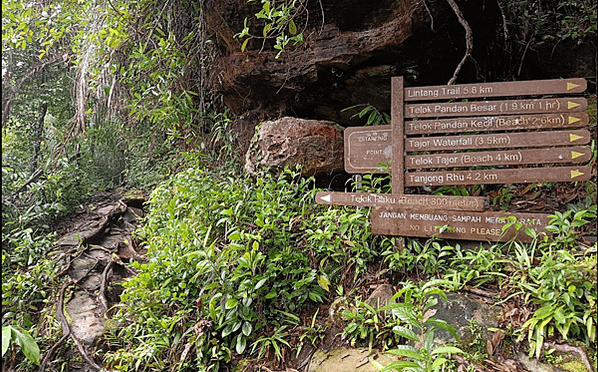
(575, 173)
(573, 119)
(571, 86)
(575, 154)
(571, 105)
(574, 137)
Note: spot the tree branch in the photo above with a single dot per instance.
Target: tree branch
(468, 39)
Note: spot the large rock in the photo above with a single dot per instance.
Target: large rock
(315, 145)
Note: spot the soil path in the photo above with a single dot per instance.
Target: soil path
(95, 242)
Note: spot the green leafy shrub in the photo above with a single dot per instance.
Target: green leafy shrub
(277, 19)
(229, 266)
(411, 319)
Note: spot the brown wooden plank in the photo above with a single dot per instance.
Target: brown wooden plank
(512, 88)
(460, 203)
(486, 108)
(427, 222)
(498, 140)
(492, 158)
(498, 176)
(494, 123)
(398, 130)
(374, 160)
(365, 147)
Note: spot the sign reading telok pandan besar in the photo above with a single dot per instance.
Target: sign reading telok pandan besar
(464, 135)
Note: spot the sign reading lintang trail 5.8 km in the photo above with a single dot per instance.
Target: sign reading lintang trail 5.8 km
(499, 136)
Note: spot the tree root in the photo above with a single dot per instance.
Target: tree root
(468, 39)
(101, 294)
(66, 332)
(566, 348)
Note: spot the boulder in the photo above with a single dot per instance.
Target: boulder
(314, 145)
(381, 296)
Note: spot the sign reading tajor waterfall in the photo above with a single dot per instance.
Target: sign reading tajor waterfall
(488, 139)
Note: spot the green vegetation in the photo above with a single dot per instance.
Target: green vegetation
(22, 339)
(105, 97)
(277, 18)
(231, 263)
(425, 356)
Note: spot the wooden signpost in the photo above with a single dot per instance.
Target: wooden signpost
(507, 140)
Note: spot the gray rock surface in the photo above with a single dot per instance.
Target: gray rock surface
(86, 316)
(348, 360)
(461, 312)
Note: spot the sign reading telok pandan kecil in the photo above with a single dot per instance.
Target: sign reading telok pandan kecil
(492, 137)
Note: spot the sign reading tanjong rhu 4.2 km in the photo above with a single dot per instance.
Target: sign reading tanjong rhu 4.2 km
(467, 134)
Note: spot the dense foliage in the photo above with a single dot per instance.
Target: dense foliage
(235, 261)
(105, 95)
(232, 258)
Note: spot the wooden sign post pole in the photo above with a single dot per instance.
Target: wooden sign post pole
(398, 136)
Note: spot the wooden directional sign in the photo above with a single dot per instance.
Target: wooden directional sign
(367, 147)
(479, 226)
(503, 157)
(501, 140)
(459, 203)
(514, 88)
(493, 176)
(422, 155)
(478, 108)
(495, 123)
(479, 158)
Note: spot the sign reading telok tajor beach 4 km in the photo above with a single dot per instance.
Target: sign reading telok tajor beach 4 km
(483, 133)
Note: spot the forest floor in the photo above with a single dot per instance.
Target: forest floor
(95, 246)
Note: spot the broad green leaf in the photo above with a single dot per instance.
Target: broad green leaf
(438, 362)
(407, 351)
(400, 366)
(405, 332)
(247, 328)
(270, 295)
(292, 27)
(243, 46)
(27, 344)
(371, 118)
(447, 349)
(6, 332)
(260, 283)
(324, 282)
(241, 344)
(231, 303)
